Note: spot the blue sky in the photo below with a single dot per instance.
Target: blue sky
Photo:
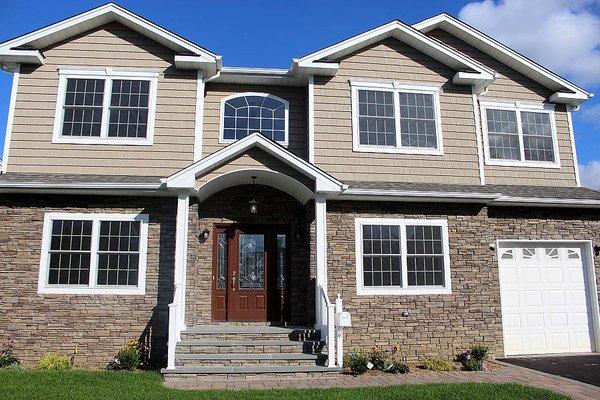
(271, 33)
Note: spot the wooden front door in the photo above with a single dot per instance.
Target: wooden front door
(249, 273)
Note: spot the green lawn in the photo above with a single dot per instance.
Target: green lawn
(82, 385)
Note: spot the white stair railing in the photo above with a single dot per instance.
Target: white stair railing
(175, 324)
(328, 326)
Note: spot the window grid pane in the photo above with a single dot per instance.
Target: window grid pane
(70, 252)
(537, 136)
(503, 134)
(118, 253)
(83, 107)
(248, 114)
(417, 121)
(382, 264)
(129, 109)
(376, 118)
(425, 256)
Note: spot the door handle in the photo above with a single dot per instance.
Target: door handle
(233, 282)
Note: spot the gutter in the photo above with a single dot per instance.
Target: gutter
(138, 189)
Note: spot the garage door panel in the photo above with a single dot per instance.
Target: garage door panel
(543, 296)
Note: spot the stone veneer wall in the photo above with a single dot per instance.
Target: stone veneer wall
(98, 324)
(443, 324)
(231, 206)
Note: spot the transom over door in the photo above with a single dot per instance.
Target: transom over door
(545, 307)
(249, 273)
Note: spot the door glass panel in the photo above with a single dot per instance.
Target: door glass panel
(281, 260)
(222, 261)
(252, 261)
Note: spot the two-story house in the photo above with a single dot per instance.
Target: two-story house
(421, 178)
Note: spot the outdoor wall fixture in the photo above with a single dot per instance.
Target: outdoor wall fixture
(204, 234)
(596, 250)
(253, 203)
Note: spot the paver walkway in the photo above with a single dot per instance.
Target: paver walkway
(505, 373)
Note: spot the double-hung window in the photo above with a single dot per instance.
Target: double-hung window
(516, 134)
(93, 253)
(396, 118)
(105, 107)
(401, 256)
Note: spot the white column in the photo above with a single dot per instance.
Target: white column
(320, 255)
(181, 243)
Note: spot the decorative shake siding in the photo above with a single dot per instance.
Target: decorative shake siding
(450, 323)
(97, 324)
(231, 206)
(112, 45)
(391, 60)
(295, 95)
(255, 159)
(512, 85)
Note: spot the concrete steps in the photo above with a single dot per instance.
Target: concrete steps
(246, 351)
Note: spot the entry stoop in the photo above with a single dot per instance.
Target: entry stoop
(234, 351)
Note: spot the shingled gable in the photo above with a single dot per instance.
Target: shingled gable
(566, 92)
(25, 48)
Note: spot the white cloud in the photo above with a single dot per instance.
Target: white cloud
(562, 35)
(590, 175)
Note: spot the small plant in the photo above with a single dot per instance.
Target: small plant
(379, 358)
(397, 368)
(54, 362)
(128, 358)
(358, 362)
(472, 365)
(472, 359)
(438, 364)
(479, 353)
(7, 355)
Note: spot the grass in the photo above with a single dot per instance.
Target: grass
(101, 385)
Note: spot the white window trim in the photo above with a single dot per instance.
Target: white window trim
(107, 74)
(93, 288)
(405, 289)
(222, 140)
(396, 88)
(517, 107)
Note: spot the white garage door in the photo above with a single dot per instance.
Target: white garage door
(544, 303)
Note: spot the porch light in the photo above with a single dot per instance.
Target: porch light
(204, 234)
(253, 203)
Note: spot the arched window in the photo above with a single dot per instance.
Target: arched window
(246, 113)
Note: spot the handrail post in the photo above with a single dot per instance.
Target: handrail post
(330, 336)
(172, 342)
(339, 333)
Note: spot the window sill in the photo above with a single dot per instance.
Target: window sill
(229, 141)
(106, 141)
(526, 164)
(398, 150)
(84, 290)
(425, 290)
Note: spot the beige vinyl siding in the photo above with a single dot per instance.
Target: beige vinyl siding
(255, 159)
(295, 95)
(391, 60)
(112, 45)
(512, 85)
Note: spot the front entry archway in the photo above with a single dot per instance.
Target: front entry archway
(250, 279)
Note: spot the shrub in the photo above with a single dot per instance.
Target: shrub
(473, 365)
(128, 358)
(7, 355)
(397, 368)
(54, 362)
(438, 364)
(479, 353)
(357, 362)
(378, 358)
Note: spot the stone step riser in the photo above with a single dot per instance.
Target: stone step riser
(209, 349)
(246, 363)
(294, 336)
(171, 379)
